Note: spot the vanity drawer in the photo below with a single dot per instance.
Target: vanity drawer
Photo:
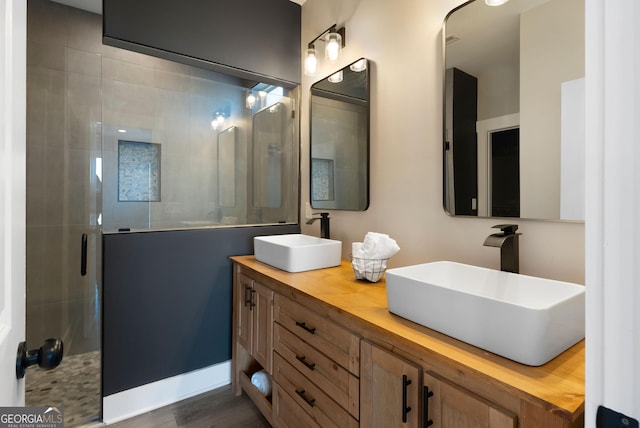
(336, 342)
(320, 408)
(333, 379)
(287, 413)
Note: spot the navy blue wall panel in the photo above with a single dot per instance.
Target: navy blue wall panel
(252, 39)
(167, 301)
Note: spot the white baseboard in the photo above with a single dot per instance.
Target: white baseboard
(145, 398)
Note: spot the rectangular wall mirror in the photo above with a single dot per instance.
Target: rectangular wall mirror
(514, 110)
(339, 161)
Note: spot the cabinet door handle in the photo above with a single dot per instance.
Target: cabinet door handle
(252, 300)
(304, 361)
(304, 325)
(247, 295)
(425, 403)
(405, 409)
(311, 402)
(83, 255)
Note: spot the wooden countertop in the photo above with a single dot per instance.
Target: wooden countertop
(557, 386)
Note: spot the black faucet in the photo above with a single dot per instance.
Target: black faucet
(324, 225)
(507, 241)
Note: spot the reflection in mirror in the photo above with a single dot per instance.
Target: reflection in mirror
(514, 110)
(340, 139)
(227, 167)
(268, 139)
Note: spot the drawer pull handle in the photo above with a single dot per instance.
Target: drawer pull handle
(304, 325)
(405, 409)
(427, 422)
(252, 302)
(304, 361)
(311, 402)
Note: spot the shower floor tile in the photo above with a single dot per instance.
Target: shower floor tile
(74, 385)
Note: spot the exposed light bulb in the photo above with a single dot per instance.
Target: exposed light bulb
(332, 49)
(358, 66)
(251, 100)
(217, 121)
(495, 2)
(311, 62)
(336, 77)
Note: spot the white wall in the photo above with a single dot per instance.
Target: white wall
(403, 41)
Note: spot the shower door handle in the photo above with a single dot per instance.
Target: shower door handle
(48, 356)
(83, 255)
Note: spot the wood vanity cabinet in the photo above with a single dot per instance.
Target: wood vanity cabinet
(338, 358)
(390, 389)
(446, 405)
(255, 320)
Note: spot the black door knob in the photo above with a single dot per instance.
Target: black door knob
(48, 356)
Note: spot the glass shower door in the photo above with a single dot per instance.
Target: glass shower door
(64, 168)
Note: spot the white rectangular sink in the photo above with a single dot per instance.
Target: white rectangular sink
(297, 252)
(527, 319)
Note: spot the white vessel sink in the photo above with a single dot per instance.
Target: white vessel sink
(527, 319)
(297, 252)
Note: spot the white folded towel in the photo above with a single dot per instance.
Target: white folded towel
(369, 258)
(262, 381)
(375, 246)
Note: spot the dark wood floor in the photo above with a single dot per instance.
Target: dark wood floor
(219, 408)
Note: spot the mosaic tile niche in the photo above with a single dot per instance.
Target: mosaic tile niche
(322, 180)
(138, 171)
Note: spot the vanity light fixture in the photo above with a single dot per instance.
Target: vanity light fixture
(333, 46)
(495, 2)
(251, 100)
(334, 42)
(336, 77)
(311, 61)
(358, 66)
(217, 121)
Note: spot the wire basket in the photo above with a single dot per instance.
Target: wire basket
(368, 269)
